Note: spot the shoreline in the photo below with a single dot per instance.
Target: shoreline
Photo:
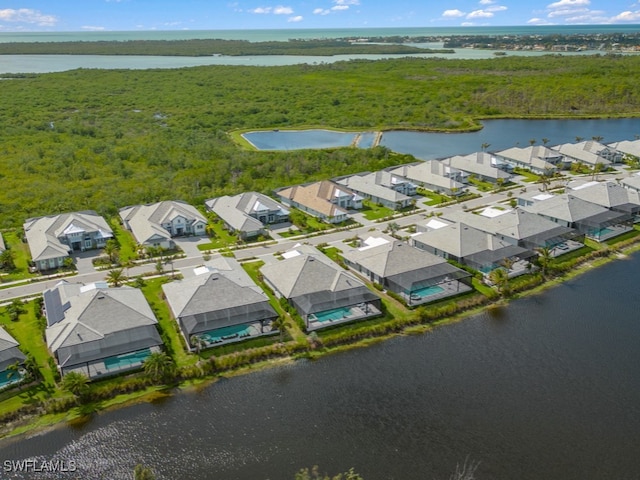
(38, 424)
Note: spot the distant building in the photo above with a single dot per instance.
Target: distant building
(382, 188)
(326, 200)
(432, 175)
(155, 224)
(247, 213)
(482, 165)
(99, 331)
(590, 153)
(538, 159)
(627, 147)
(53, 238)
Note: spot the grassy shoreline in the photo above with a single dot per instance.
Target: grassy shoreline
(33, 424)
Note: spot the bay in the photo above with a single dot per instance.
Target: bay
(548, 387)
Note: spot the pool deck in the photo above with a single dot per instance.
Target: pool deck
(449, 289)
(98, 368)
(357, 312)
(253, 329)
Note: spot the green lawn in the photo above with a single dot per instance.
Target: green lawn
(433, 198)
(153, 293)
(125, 240)
(223, 238)
(21, 256)
(482, 185)
(529, 177)
(373, 211)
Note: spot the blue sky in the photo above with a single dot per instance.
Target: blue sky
(111, 15)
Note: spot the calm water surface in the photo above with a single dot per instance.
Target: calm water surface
(548, 388)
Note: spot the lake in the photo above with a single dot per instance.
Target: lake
(546, 388)
(498, 134)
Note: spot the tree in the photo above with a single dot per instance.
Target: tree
(143, 473)
(484, 146)
(597, 168)
(31, 366)
(545, 141)
(544, 259)
(115, 277)
(159, 366)
(507, 263)
(7, 260)
(532, 142)
(281, 325)
(197, 342)
(500, 278)
(112, 251)
(15, 309)
(76, 383)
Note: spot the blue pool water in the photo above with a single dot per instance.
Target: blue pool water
(605, 231)
(223, 334)
(126, 360)
(427, 291)
(5, 381)
(332, 315)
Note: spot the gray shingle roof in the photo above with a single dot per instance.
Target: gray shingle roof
(236, 210)
(428, 172)
(42, 232)
(372, 184)
(9, 351)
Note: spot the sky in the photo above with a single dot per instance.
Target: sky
(131, 15)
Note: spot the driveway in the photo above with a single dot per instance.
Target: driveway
(189, 245)
(83, 261)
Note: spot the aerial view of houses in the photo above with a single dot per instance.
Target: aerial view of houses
(10, 357)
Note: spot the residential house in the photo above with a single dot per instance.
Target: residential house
(432, 175)
(381, 188)
(481, 165)
(628, 148)
(538, 159)
(417, 276)
(609, 195)
(592, 220)
(589, 153)
(52, 239)
(323, 293)
(99, 331)
(220, 304)
(326, 200)
(520, 227)
(247, 213)
(155, 224)
(10, 355)
(472, 247)
(631, 183)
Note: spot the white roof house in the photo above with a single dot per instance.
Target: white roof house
(97, 330)
(590, 153)
(480, 164)
(381, 187)
(52, 238)
(156, 223)
(432, 175)
(539, 159)
(10, 354)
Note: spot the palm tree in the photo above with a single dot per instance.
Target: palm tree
(545, 141)
(532, 142)
(32, 368)
(159, 366)
(597, 168)
(197, 342)
(281, 325)
(128, 263)
(76, 383)
(544, 259)
(507, 263)
(115, 277)
(484, 146)
(112, 251)
(13, 370)
(499, 277)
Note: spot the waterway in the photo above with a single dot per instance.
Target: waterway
(495, 135)
(546, 388)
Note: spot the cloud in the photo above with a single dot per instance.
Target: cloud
(567, 12)
(337, 8)
(346, 2)
(486, 2)
(538, 21)
(569, 4)
(453, 13)
(283, 10)
(480, 14)
(627, 17)
(92, 28)
(297, 18)
(279, 10)
(497, 8)
(321, 11)
(261, 10)
(27, 15)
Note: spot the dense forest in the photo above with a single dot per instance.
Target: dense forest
(206, 47)
(103, 139)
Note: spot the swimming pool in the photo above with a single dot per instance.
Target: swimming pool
(6, 378)
(226, 333)
(427, 291)
(126, 360)
(332, 315)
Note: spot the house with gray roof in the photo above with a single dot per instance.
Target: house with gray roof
(482, 165)
(609, 195)
(631, 183)
(247, 213)
(99, 331)
(629, 148)
(10, 355)
(477, 249)
(325, 200)
(155, 224)
(382, 188)
(52, 239)
(432, 175)
(523, 228)
(322, 292)
(220, 304)
(538, 159)
(589, 153)
(416, 275)
(594, 221)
